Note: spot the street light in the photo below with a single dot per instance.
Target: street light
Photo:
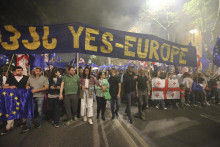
(156, 5)
(193, 31)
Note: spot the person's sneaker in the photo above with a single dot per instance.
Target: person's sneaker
(157, 106)
(137, 115)
(103, 117)
(37, 125)
(84, 118)
(186, 104)
(4, 132)
(26, 129)
(164, 108)
(113, 117)
(90, 121)
(130, 120)
(56, 126)
(68, 122)
(147, 106)
(143, 117)
(116, 114)
(75, 118)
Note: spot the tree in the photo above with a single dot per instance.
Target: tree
(205, 15)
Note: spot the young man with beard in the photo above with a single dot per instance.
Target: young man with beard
(16, 81)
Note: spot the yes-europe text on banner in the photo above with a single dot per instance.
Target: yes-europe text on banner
(16, 104)
(88, 39)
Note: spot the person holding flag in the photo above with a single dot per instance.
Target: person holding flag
(18, 80)
(38, 84)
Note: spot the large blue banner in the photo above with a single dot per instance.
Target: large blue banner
(88, 39)
(16, 104)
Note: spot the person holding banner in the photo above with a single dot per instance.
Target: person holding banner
(100, 97)
(130, 88)
(142, 95)
(115, 92)
(18, 80)
(38, 84)
(70, 85)
(55, 81)
(87, 83)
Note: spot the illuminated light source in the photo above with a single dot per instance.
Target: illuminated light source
(193, 31)
(156, 5)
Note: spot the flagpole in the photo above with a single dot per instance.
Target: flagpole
(10, 64)
(77, 62)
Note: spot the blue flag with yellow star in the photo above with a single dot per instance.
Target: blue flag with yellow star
(3, 59)
(216, 53)
(16, 104)
(37, 60)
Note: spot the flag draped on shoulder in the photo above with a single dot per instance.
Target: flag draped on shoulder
(16, 104)
(165, 89)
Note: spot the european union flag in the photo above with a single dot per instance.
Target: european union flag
(216, 53)
(58, 58)
(74, 60)
(51, 56)
(37, 60)
(3, 59)
(196, 87)
(16, 104)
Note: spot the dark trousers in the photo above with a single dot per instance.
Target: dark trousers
(199, 95)
(101, 105)
(129, 98)
(54, 109)
(187, 95)
(214, 92)
(79, 108)
(117, 101)
(71, 103)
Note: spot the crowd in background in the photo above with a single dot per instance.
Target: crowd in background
(57, 92)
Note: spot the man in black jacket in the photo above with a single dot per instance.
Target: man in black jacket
(130, 88)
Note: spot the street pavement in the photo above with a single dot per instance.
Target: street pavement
(183, 127)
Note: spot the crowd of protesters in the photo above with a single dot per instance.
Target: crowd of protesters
(66, 92)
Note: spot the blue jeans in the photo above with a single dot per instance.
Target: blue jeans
(117, 101)
(39, 103)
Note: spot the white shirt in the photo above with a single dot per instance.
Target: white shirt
(4, 80)
(86, 83)
(18, 78)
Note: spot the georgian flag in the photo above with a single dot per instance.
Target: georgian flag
(22, 60)
(165, 89)
(143, 63)
(81, 60)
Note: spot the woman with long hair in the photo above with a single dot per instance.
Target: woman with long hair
(87, 83)
(53, 97)
(100, 89)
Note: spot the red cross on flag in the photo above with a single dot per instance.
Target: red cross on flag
(22, 60)
(165, 89)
